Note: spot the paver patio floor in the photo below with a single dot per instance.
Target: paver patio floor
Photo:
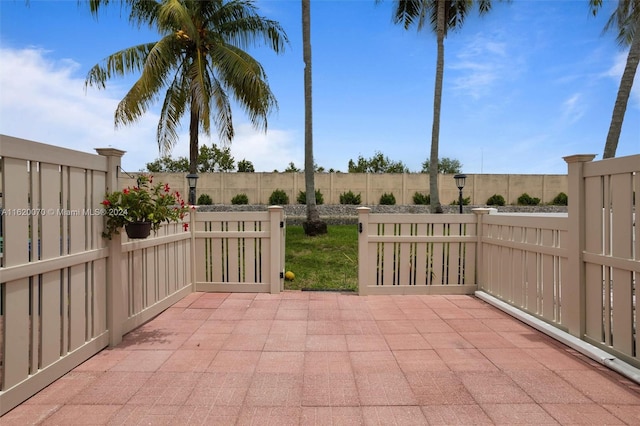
(317, 358)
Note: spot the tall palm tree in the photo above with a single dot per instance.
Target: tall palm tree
(626, 19)
(201, 61)
(441, 16)
(313, 225)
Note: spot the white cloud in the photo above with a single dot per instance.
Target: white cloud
(482, 61)
(573, 108)
(269, 151)
(44, 100)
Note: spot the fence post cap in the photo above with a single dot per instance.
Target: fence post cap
(578, 158)
(110, 152)
(361, 210)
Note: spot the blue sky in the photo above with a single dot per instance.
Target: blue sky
(525, 85)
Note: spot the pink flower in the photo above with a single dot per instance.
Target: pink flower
(125, 191)
(106, 203)
(185, 226)
(166, 187)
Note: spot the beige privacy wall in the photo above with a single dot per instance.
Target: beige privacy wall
(221, 187)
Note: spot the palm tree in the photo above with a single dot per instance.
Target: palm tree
(313, 225)
(626, 18)
(201, 61)
(441, 16)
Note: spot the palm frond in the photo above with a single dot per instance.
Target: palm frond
(411, 12)
(199, 60)
(221, 105)
(160, 61)
(173, 109)
(623, 19)
(246, 78)
(118, 64)
(141, 11)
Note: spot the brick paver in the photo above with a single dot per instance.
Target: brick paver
(316, 358)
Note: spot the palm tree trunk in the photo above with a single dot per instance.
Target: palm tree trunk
(437, 101)
(624, 90)
(193, 138)
(313, 217)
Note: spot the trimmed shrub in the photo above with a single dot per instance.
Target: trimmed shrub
(302, 197)
(278, 197)
(350, 198)
(526, 200)
(560, 200)
(240, 199)
(388, 199)
(496, 200)
(465, 201)
(421, 199)
(204, 200)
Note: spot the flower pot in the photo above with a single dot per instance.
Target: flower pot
(138, 229)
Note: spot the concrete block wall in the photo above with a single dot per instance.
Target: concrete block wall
(222, 187)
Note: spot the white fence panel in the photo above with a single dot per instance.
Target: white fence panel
(612, 255)
(525, 261)
(416, 254)
(239, 251)
(52, 265)
(156, 273)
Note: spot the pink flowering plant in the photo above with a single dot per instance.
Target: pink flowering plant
(145, 202)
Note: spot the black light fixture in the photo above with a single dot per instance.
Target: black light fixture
(192, 180)
(460, 181)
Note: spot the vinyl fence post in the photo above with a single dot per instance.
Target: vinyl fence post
(481, 283)
(574, 303)
(116, 302)
(277, 241)
(363, 249)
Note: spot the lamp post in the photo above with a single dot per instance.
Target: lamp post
(192, 180)
(460, 181)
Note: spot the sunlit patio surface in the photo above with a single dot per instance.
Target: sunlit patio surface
(321, 358)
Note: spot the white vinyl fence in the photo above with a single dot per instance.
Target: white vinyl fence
(66, 293)
(577, 272)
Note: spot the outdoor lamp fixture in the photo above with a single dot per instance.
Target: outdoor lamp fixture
(460, 181)
(192, 180)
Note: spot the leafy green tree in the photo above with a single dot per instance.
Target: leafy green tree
(245, 166)
(446, 165)
(626, 20)
(200, 61)
(291, 168)
(214, 159)
(210, 159)
(441, 16)
(167, 164)
(379, 163)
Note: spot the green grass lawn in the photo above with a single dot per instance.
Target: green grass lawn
(326, 262)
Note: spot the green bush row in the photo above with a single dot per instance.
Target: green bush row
(280, 197)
